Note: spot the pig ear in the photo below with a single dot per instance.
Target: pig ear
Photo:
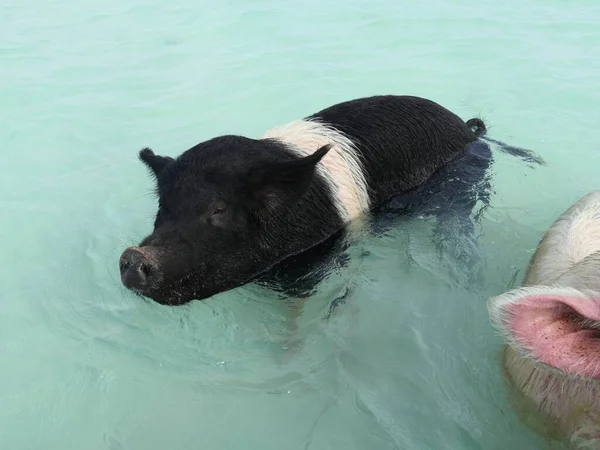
(284, 182)
(154, 162)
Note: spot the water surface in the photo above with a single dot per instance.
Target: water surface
(409, 362)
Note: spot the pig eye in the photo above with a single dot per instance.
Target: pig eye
(218, 217)
(219, 208)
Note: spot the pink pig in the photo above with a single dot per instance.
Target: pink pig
(551, 326)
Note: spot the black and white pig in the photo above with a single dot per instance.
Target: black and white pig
(231, 208)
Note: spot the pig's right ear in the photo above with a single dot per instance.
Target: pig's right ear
(282, 183)
(154, 162)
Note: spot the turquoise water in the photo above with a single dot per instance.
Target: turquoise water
(410, 362)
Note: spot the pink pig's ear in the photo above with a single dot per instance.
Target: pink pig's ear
(556, 326)
(279, 183)
(154, 162)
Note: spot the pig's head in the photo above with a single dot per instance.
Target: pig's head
(551, 326)
(221, 205)
(553, 357)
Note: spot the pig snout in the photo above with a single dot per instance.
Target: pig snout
(138, 271)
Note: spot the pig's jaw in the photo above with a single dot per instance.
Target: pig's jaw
(555, 326)
(564, 407)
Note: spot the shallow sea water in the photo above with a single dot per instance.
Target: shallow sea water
(410, 361)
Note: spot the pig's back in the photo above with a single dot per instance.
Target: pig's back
(402, 140)
(572, 237)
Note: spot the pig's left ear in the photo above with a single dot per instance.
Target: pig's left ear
(154, 162)
(279, 183)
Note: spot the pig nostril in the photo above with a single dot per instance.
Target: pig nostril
(124, 266)
(145, 269)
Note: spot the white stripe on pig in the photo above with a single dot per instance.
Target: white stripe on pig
(341, 166)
